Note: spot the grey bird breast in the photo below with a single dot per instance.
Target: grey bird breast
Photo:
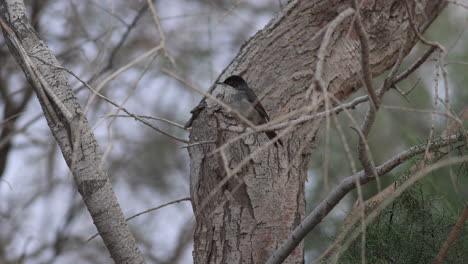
(238, 100)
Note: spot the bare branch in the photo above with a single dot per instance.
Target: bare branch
(412, 179)
(364, 153)
(209, 96)
(95, 92)
(348, 184)
(415, 65)
(452, 236)
(326, 40)
(457, 3)
(372, 203)
(270, 126)
(153, 118)
(320, 83)
(147, 211)
(365, 54)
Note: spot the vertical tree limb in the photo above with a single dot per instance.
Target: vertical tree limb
(71, 130)
(452, 236)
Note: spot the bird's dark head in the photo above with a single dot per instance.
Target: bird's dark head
(234, 81)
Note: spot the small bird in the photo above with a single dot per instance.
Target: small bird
(242, 99)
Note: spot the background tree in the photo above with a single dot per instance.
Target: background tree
(147, 169)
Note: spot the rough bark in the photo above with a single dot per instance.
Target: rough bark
(70, 128)
(247, 218)
(13, 110)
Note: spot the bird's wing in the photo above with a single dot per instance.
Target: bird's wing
(258, 106)
(261, 110)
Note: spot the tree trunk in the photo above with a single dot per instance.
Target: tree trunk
(70, 128)
(245, 211)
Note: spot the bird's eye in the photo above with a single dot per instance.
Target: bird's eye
(230, 82)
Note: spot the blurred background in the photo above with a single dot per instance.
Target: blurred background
(42, 217)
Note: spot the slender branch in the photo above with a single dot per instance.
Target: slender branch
(43, 89)
(198, 143)
(415, 65)
(154, 118)
(319, 82)
(122, 40)
(8, 119)
(95, 92)
(327, 38)
(211, 97)
(442, 66)
(365, 54)
(147, 211)
(425, 111)
(457, 3)
(364, 153)
(160, 29)
(452, 236)
(351, 105)
(372, 203)
(408, 183)
(442, 57)
(346, 186)
(271, 126)
(303, 119)
(23, 128)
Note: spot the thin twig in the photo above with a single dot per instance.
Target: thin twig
(442, 66)
(320, 83)
(371, 204)
(95, 92)
(365, 56)
(43, 89)
(327, 38)
(23, 128)
(8, 119)
(303, 119)
(153, 118)
(209, 96)
(198, 143)
(147, 211)
(425, 111)
(158, 207)
(112, 112)
(414, 178)
(161, 31)
(457, 3)
(452, 236)
(340, 191)
(415, 65)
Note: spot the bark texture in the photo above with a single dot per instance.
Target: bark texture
(245, 219)
(70, 128)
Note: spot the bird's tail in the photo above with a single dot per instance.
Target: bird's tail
(271, 135)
